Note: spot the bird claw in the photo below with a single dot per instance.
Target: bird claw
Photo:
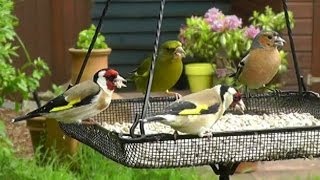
(207, 134)
(175, 136)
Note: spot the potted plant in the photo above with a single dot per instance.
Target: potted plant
(98, 57)
(220, 41)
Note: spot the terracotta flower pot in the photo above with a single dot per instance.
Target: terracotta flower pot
(247, 167)
(98, 60)
(46, 133)
(37, 129)
(63, 144)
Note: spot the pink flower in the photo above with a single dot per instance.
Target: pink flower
(215, 18)
(221, 72)
(218, 25)
(251, 32)
(213, 14)
(232, 22)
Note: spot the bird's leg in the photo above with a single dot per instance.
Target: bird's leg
(89, 121)
(176, 95)
(175, 135)
(276, 91)
(205, 132)
(246, 91)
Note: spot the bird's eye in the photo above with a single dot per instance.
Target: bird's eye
(237, 97)
(269, 37)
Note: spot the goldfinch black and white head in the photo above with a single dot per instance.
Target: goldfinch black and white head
(230, 97)
(81, 101)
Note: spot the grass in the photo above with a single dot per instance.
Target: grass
(86, 164)
(101, 168)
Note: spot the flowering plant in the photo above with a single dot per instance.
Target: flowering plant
(222, 40)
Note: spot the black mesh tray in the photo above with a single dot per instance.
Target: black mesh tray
(161, 151)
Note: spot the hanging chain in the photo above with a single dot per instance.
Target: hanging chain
(293, 51)
(94, 38)
(151, 73)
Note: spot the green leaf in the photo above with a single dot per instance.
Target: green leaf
(223, 40)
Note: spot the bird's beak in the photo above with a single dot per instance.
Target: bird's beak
(180, 52)
(240, 106)
(119, 82)
(279, 41)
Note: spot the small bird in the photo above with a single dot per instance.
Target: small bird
(81, 101)
(262, 62)
(197, 112)
(168, 69)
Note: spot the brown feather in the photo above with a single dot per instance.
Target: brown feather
(205, 97)
(82, 90)
(261, 66)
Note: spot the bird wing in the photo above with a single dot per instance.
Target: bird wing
(240, 66)
(143, 68)
(184, 108)
(78, 95)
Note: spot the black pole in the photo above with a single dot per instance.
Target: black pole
(94, 38)
(293, 50)
(151, 71)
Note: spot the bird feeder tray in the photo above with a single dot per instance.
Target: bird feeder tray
(162, 151)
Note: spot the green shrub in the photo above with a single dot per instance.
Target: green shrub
(15, 80)
(85, 38)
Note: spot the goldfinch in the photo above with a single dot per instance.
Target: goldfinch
(81, 101)
(262, 62)
(197, 112)
(168, 63)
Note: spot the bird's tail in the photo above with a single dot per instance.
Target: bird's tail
(24, 117)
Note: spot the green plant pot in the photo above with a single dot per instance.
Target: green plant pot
(200, 76)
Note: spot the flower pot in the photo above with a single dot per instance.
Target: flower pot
(246, 167)
(37, 129)
(57, 140)
(98, 60)
(200, 76)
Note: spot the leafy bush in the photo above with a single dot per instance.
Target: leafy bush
(85, 37)
(15, 80)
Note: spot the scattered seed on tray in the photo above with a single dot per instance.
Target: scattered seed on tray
(230, 122)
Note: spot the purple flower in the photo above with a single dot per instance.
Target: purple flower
(232, 22)
(221, 72)
(218, 25)
(213, 14)
(251, 32)
(215, 18)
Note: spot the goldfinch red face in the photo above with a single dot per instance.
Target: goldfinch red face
(237, 102)
(270, 39)
(110, 78)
